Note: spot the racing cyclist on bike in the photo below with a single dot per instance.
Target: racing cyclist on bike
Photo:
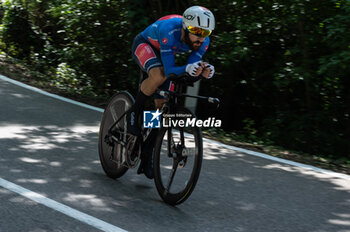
(154, 51)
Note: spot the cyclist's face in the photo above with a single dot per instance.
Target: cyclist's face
(196, 41)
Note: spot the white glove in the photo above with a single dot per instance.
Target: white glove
(212, 70)
(192, 69)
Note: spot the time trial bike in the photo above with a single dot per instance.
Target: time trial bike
(178, 149)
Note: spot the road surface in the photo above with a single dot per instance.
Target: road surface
(48, 149)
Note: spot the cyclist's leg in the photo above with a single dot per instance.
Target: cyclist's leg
(149, 61)
(156, 78)
(147, 155)
(160, 100)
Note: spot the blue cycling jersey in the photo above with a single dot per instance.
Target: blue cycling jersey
(165, 36)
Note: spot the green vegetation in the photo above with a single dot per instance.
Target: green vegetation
(282, 67)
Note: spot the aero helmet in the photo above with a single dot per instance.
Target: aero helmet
(199, 21)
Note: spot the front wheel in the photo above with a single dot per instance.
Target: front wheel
(177, 160)
(111, 154)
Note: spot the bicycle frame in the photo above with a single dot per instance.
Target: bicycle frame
(172, 147)
(169, 106)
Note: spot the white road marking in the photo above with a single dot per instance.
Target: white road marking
(49, 94)
(258, 154)
(83, 217)
(279, 160)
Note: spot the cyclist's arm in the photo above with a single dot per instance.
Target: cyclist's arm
(168, 60)
(166, 42)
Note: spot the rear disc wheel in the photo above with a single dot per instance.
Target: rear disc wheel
(111, 154)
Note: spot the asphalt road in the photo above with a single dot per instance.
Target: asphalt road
(49, 147)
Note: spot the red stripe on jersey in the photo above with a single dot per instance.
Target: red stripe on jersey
(169, 17)
(144, 53)
(155, 43)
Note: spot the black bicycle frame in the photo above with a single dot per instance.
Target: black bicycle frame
(180, 83)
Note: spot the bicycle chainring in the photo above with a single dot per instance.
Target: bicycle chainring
(133, 149)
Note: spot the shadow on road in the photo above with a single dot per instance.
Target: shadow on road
(50, 147)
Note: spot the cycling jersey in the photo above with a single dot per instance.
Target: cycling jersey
(165, 37)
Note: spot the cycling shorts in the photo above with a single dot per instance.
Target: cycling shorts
(148, 57)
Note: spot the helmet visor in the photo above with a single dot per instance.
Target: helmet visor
(199, 31)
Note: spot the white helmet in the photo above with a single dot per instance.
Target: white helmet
(200, 17)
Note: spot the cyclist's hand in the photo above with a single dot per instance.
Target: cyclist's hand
(194, 69)
(208, 71)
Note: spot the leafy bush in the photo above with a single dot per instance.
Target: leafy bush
(18, 39)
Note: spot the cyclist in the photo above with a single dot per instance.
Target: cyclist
(154, 51)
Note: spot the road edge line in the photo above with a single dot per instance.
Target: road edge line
(249, 152)
(64, 209)
(18, 83)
